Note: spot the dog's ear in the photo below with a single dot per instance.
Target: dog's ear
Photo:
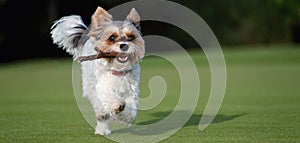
(134, 17)
(100, 16)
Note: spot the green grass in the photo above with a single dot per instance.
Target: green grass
(262, 101)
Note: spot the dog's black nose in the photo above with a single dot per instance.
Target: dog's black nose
(124, 47)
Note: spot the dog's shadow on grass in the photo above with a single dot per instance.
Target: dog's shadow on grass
(151, 127)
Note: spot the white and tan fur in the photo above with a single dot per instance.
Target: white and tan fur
(110, 84)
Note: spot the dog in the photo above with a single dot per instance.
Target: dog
(110, 83)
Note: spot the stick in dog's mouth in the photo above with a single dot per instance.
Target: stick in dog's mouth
(97, 56)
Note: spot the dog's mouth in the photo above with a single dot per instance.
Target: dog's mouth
(122, 58)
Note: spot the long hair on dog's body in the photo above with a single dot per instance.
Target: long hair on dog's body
(110, 84)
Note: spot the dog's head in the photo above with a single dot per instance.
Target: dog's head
(123, 37)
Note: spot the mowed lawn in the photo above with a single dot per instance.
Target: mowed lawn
(261, 104)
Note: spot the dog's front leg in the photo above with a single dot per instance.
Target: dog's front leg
(102, 127)
(102, 116)
(109, 105)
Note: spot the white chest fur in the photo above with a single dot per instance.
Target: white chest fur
(121, 86)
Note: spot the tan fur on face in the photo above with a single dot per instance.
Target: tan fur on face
(103, 27)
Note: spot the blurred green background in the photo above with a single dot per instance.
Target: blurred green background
(261, 103)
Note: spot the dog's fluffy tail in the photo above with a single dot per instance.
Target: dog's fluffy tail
(67, 32)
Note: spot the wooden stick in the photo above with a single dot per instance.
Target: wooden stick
(98, 56)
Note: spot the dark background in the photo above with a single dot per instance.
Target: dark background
(25, 25)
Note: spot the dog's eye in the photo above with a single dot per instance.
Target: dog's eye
(112, 38)
(131, 38)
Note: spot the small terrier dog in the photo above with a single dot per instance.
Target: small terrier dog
(109, 53)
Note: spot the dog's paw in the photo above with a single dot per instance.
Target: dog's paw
(103, 132)
(120, 108)
(102, 129)
(126, 117)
